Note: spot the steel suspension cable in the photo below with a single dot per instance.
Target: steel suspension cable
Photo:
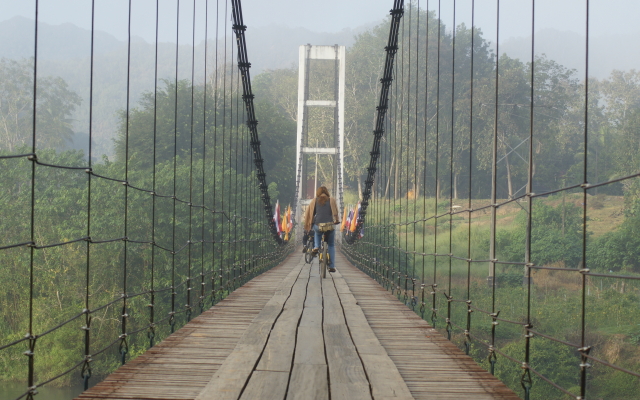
(123, 346)
(86, 366)
(494, 190)
(525, 380)
(416, 183)
(448, 294)
(204, 159)
(584, 349)
(424, 179)
(467, 331)
(172, 321)
(214, 225)
(30, 334)
(434, 285)
(188, 306)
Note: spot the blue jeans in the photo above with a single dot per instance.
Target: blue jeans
(330, 241)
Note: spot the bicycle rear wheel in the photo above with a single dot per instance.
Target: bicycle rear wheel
(324, 262)
(308, 256)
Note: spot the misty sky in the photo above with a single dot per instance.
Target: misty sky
(607, 16)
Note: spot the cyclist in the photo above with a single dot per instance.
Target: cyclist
(323, 209)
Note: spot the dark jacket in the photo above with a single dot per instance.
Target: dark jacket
(308, 217)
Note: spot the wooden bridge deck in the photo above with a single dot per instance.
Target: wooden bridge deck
(289, 334)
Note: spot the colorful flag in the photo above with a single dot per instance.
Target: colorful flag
(290, 218)
(349, 217)
(285, 229)
(276, 216)
(286, 222)
(354, 221)
(344, 219)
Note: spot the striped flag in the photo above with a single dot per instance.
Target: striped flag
(347, 224)
(276, 216)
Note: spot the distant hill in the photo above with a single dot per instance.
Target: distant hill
(55, 42)
(64, 50)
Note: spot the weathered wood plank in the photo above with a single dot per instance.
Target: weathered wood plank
(310, 346)
(228, 382)
(266, 385)
(386, 381)
(308, 382)
(312, 317)
(278, 353)
(346, 373)
(314, 293)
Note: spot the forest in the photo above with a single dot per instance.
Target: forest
(189, 141)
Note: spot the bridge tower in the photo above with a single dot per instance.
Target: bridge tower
(308, 153)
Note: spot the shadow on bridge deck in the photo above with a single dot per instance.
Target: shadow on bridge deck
(289, 334)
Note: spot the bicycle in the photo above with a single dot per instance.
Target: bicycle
(325, 259)
(307, 247)
(323, 252)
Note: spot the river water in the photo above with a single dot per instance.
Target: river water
(10, 391)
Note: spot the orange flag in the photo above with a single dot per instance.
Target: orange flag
(352, 228)
(344, 219)
(286, 222)
(284, 226)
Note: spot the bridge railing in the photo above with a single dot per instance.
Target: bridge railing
(103, 260)
(476, 220)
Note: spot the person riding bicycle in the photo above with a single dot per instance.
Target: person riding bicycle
(323, 209)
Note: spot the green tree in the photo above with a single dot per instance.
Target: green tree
(556, 236)
(55, 105)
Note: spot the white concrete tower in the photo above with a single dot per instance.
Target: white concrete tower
(307, 53)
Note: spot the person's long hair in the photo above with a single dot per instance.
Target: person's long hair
(319, 194)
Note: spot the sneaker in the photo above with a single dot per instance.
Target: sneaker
(332, 270)
(315, 250)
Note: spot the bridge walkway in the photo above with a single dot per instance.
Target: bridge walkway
(290, 334)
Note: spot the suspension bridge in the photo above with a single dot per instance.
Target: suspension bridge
(186, 288)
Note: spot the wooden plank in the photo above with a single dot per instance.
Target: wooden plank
(346, 374)
(386, 381)
(314, 293)
(311, 317)
(266, 385)
(333, 314)
(354, 316)
(308, 382)
(278, 354)
(228, 381)
(237, 369)
(256, 334)
(310, 346)
(366, 341)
